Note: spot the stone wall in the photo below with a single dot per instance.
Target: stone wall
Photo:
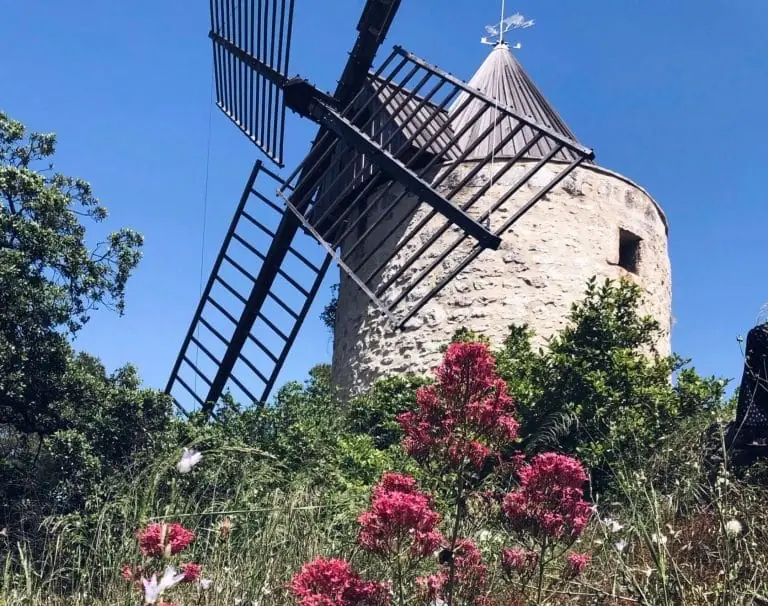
(539, 271)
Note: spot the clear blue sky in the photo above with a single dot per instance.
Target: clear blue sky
(672, 94)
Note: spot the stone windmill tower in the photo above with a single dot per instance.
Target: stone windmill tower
(597, 222)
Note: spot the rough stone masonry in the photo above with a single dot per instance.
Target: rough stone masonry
(595, 223)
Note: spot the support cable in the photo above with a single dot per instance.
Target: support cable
(205, 210)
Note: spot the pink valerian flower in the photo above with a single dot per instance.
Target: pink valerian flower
(549, 500)
(430, 587)
(518, 560)
(575, 564)
(400, 515)
(333, 582)
(470, 577)
(470, 574)
(191, 571)
(467, 415)
(158, 540)
(132, 573)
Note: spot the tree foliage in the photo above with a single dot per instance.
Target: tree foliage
(600, 390)
(107, 422)
(67, 427)
(328, 315)
(50, 278)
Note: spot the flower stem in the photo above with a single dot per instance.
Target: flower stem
(455, 534)
(542, 564)
(399, 575)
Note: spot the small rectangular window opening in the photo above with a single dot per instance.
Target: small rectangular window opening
(629, 250)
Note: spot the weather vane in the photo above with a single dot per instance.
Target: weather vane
(497, 31)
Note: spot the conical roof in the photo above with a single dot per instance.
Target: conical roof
(502, 78)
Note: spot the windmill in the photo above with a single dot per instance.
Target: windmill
(405, 136)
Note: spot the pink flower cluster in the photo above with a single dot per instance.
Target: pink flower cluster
(162, 540)
(575, 564)
(519, 560)
(332, 582)
(132, 573)
(470, 577)
(466, 414)
(464, 420)
(191, 571)
(158, 540)
(550, 500)
(400, 515)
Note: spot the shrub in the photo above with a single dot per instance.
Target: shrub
(599, 390)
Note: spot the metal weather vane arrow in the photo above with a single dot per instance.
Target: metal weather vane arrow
(516, 21)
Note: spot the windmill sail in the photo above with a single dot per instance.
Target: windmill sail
(242, 74)
(399, 241)
(251, 50)
(243, 328)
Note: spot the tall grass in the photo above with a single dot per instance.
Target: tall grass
(77, 559)
(676, 546)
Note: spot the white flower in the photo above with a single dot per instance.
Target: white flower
(620, 545)
(612, 525)
(733, 528)
(189, 458)
(484, 536)
(154, 589)
(647, 572)
(205, 584)
(661, 539)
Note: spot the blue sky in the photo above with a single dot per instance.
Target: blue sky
(672, 94)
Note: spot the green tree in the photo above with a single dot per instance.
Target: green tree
(67, 427)
(600, 390)
(107, 422)
(50, 278)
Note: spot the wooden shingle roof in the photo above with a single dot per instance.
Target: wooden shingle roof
(502, 78)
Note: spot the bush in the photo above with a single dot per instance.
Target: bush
(600, 390)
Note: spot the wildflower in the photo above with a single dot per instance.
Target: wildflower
(470, 572)
(468, 399)
(620, 545)
(332, 582)
(191, 571)
(550, 498)
(470, 576)
(204, 584)
(733, 528)
(518, 560)
(612, 525)
(661, 539)
(575, 564)
(153, 588)
(429, 587)
(189, 458)
(132, 573)
(158, 540)
(398, 510)
(225, 527)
